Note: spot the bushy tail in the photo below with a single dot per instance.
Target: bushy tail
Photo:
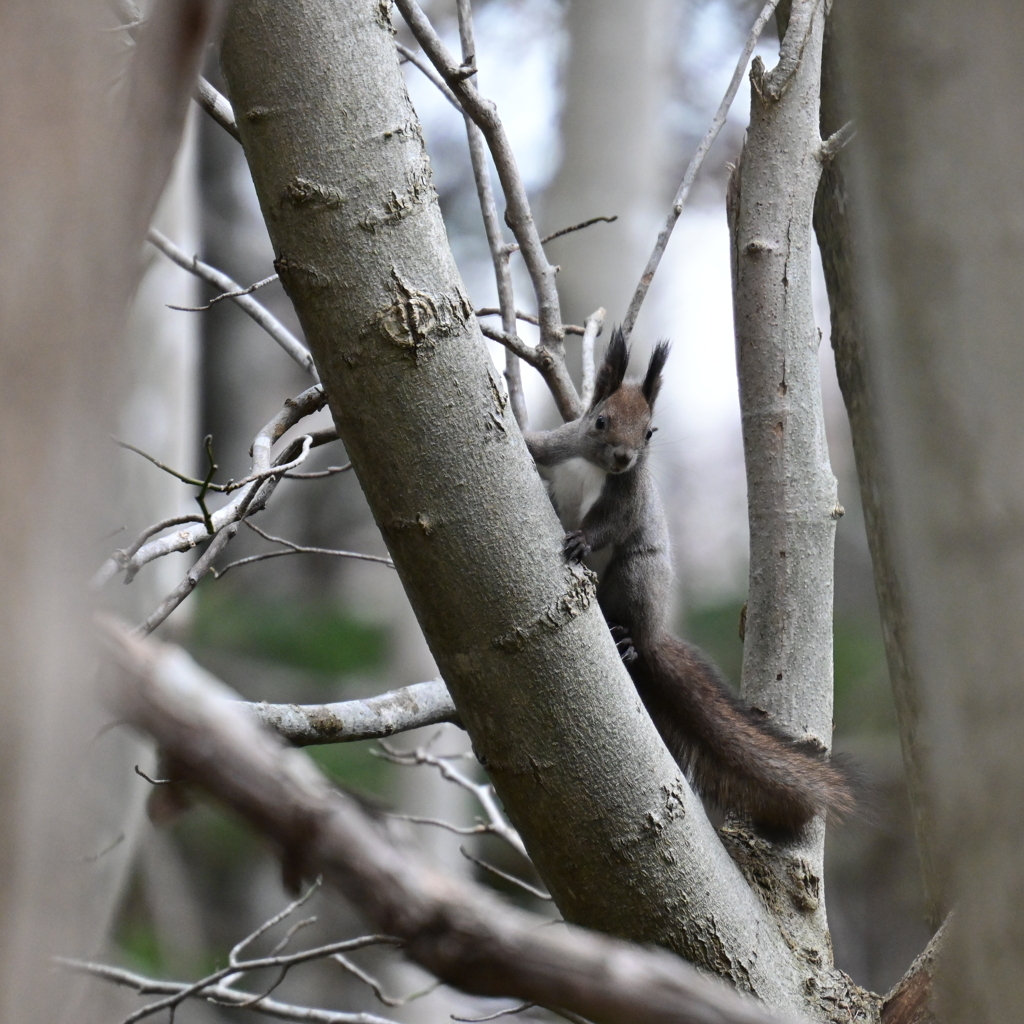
(731, 756)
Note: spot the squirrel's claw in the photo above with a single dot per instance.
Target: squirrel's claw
(624, 644)
(575, 546)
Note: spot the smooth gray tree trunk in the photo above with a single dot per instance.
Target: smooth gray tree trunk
(339, 166)
(936, 92)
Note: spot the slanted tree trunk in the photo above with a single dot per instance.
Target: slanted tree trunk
(338, 162)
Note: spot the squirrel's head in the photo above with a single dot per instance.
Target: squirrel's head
(618, 422)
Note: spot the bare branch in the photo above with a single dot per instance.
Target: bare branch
(837, 141)
(258, 312)
(517, 207)
(529, 318)
(200, 568)
(531, 889)
(248, 503)
(367, 979)
(494, 1016)
(126, 554)
(550, 365)
(483, 791)
(417, 61)
(592, 329)
(410, 707)
(456, 930)
(694, 167)
(319, 474)
(227, 295)
(217, 106)
(492, 227)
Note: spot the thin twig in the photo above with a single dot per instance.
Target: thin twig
(579, 227)
(240, 946)
(691, 171)
(91, 858)
(249, 501)
(202, 566)
(479, 829)
(226, 295)
(517, 207)
(258, 312)
(153, 782)
(207, 483)
(492, 227)
(224, 978)
(297, 549)
(528, 318)
(367, 979)
(531, 889)
(219, 995)
(217, 106)
(417, 61)
(494, 1016)
(483, 791)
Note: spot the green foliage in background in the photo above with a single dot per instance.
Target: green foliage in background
(863, 698)
(312, 636)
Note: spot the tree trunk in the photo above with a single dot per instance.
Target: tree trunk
(791, 491)
(940, 210)
(840, 252)
(339, 166)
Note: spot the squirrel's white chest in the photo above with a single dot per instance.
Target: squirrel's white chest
(574, 486)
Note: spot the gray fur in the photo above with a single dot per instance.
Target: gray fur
(732, 756)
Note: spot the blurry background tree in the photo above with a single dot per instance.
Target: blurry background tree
(298, 634)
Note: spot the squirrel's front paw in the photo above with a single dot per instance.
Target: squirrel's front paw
(575, 546)
(624, 644)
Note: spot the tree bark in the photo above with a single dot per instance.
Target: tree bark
(77, 186)
(939, 206)
(344, 184)
(840, 252)
(791, 490)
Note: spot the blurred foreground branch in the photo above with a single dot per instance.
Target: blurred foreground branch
(457, 931)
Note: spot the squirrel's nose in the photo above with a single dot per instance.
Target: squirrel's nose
(623, 458)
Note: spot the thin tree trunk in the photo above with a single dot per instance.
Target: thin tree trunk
(792, 501)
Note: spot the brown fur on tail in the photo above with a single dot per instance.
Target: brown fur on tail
(732, 757)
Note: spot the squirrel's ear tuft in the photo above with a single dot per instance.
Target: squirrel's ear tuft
(613, 369)
(652, 382)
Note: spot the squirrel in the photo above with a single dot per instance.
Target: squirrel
(598, 477)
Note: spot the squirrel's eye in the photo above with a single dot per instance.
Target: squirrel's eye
(650, 434)
(601, 422)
